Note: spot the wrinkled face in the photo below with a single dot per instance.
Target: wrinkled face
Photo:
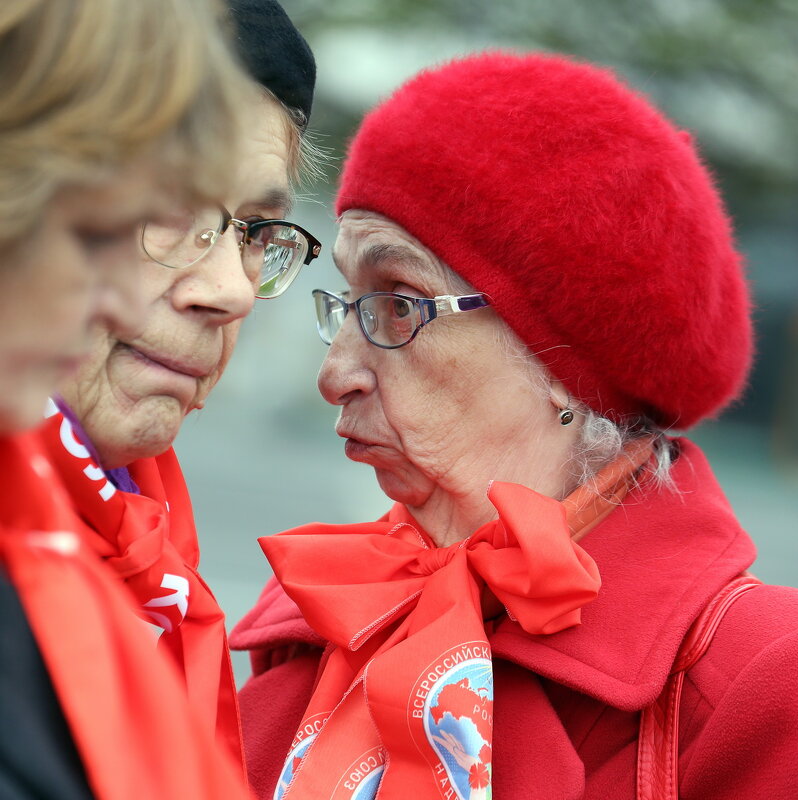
(77, 269)
(134, 391)
(440, 417)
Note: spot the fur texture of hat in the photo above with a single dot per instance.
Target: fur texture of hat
(585, 215)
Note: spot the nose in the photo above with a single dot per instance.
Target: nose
(346, 371)
(216, 284)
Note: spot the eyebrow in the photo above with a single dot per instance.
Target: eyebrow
(276, 198)
(382, 256)
(378, 255)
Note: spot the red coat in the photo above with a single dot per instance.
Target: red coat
(567, 706)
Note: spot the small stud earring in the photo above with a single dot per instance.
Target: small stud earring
(566, 416)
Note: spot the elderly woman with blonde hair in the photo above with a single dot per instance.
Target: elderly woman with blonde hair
(104, 106)
(542, 284)
(110, 429)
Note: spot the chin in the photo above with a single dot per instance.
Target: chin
(14, 420)
(122, 454)
(409, 492)
(23, 410)
(139, 435)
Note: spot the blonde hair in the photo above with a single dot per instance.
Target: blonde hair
(87, 86)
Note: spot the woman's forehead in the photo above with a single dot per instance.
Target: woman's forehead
(263, 164)
(371, 246)
(131, 195)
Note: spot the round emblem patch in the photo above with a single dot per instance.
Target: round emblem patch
(455, 701)
(305, 736)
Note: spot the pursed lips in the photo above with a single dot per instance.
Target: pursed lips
(347, 431)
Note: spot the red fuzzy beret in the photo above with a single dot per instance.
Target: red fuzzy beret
(585, 215)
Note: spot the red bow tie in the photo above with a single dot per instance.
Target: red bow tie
(351, 581)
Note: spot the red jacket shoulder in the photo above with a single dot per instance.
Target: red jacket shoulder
(739, 726)
(759, 620)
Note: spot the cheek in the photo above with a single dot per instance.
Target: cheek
(45, 308)
(424, 414)
(156, 280)
(66, 289)
(229, 338)
(453, 394)
(89, 385)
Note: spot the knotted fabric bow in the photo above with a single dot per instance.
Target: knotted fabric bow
(150, 541)
(404, 704)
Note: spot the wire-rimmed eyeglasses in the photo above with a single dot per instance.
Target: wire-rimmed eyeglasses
(274, 248)
(388, 319)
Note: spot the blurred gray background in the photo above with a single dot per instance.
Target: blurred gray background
(263, 456)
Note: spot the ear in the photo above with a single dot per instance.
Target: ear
(558, 395)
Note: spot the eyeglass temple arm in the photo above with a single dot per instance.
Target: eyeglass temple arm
(452, 304)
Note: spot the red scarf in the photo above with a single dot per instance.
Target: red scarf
(136, 735)
(150, 541)
(404, 704)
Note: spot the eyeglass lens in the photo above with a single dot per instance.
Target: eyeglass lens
(388, 320)
(182, 238)
(330, 315)
(274, 251)
(278, 251)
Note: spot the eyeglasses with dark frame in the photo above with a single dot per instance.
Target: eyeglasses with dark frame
(273, 248)
(387, 319)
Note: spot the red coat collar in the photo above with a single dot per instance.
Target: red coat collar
(661, 557)
(274, 621)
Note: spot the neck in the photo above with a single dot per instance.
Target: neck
(449, 516)
(448, 522)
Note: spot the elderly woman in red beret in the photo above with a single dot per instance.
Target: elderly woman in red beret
(542, 283)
